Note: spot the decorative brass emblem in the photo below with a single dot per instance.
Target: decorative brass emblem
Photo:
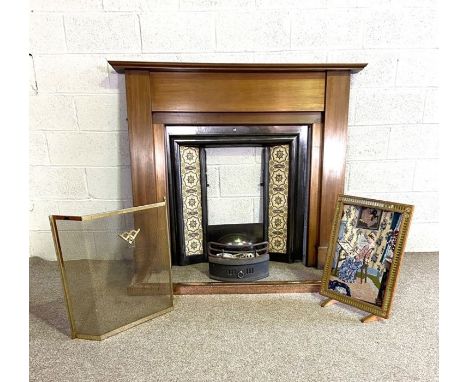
(130, 236)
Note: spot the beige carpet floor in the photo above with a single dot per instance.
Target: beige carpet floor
(278, 337)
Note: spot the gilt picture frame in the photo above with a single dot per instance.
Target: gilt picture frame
(365, 251)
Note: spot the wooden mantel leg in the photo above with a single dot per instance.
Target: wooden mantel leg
(328, 302)
(143, 162)
(314, 195)
(334, 154)
(371, 318)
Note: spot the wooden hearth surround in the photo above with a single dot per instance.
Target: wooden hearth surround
(160, 94)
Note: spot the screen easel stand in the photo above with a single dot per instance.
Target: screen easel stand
(364, 320)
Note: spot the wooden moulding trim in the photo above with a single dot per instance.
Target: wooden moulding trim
(181, 118)
(121, 66)
(314, 194)
(305, 286)
(160, 161)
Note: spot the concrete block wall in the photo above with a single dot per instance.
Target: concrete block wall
(234, 194)
(78, 141)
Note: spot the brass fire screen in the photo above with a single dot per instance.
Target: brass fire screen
(115, 268)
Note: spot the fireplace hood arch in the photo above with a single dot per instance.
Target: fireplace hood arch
(317, 95)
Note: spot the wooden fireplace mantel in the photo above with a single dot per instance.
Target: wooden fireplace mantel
(160, 94)
(123, 66)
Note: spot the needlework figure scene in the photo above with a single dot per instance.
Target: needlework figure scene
(364, 252)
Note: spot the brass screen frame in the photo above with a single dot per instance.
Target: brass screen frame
(58, 251)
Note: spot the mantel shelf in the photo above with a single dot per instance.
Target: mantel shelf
(121, 66)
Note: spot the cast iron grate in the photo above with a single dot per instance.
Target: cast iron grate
(240, 262)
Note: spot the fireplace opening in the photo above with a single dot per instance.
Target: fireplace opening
(248, 182)
(237, 250)
(235, 188)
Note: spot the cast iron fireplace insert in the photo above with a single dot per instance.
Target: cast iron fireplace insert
(192, 140)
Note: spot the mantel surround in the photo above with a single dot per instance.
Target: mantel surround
(317, 95)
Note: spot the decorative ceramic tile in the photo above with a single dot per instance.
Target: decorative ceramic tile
(278, 168)
(191, 200)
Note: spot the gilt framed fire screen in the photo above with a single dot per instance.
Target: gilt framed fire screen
(364, 257)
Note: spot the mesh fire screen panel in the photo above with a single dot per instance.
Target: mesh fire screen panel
(115, 268)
